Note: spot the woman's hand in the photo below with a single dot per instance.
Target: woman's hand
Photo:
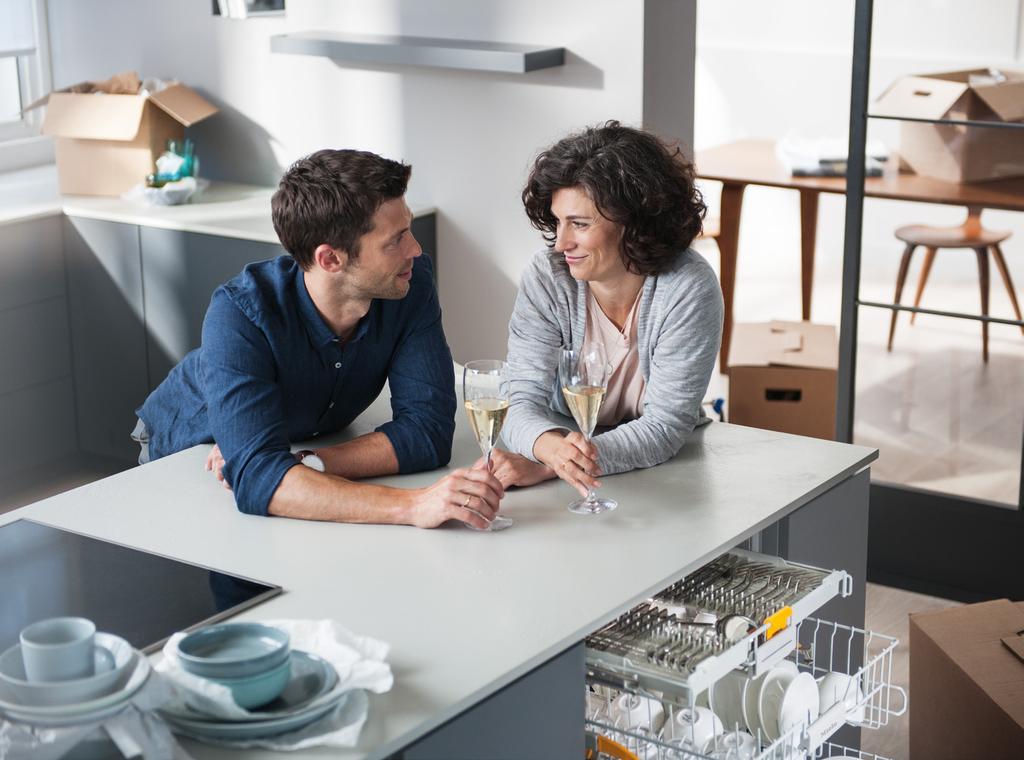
(515, 470)
(571, 457)
(215, 464)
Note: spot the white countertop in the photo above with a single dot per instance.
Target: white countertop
(466, 613)
(224, 209)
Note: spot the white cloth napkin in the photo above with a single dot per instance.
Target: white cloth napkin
(135, 731)
(359, 660)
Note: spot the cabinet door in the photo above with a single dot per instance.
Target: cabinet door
(108, 335)
(180, 271)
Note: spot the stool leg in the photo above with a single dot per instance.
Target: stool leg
(926, 269)
(982, 254)
(901, 278)
(997, 254)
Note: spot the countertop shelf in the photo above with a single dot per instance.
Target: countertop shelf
(420, 51)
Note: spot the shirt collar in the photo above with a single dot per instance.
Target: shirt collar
(319, 331)
(321, 334)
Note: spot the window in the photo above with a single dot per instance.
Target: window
(24, 66)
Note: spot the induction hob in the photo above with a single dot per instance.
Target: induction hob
(142, 597)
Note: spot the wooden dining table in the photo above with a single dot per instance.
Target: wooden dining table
(754, 162)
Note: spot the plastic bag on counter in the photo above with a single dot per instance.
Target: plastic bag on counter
(169, 194)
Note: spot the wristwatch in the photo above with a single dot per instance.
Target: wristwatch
(310, 459)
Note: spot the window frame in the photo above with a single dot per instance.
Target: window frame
(21, 143)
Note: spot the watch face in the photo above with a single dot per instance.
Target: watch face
(313, 462)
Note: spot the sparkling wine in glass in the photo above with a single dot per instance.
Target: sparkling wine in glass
(485, 395)
(583, 375)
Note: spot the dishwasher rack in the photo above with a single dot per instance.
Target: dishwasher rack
(668, 653)
(668, 644)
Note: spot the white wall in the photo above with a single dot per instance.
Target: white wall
(470, 136)
(768, 69)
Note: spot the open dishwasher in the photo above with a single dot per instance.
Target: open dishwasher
(730, 663)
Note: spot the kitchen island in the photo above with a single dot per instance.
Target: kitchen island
(486, 629)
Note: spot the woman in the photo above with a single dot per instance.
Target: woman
(619, 210)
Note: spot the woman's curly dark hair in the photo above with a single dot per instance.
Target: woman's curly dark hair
(634, 179)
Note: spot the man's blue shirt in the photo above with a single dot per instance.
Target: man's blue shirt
(270, 371)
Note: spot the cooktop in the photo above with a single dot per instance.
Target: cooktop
(142, 597)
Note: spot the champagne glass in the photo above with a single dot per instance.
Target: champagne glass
(485, 394)
(583, 375)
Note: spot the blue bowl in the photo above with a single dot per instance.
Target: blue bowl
(257, 690)
(234, 651)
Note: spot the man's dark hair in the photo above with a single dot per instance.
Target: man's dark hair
(330, 197)
(634, 179)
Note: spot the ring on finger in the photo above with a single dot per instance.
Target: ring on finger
(469, 498)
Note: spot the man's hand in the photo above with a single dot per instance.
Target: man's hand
(215, 464)
(572, 458)
(515, 470)
(469, 495)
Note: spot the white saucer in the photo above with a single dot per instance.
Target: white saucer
(800, 704)
(84, 712)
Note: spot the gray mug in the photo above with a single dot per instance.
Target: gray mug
(59, 649)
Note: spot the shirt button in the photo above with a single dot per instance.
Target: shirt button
(316, 433)
(337, 365)
(330, 405)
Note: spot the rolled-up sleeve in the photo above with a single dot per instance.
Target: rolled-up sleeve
(244, 404)
(421, 377)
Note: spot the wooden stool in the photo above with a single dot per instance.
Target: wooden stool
(968, 235)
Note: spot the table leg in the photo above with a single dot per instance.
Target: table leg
(808, 240)
(728, 246)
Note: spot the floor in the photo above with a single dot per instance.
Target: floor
(888, 611)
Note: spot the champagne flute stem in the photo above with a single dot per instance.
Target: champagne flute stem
(591, 493)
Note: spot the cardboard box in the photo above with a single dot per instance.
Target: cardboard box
(957, 153)
(966, 685)
(782, 376)
(106, 144)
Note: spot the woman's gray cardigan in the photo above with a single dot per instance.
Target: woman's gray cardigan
(679, 331)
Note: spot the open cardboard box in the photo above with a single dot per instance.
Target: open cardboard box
(955, 152)
(106, 144)
(967, 682)
(783, 376)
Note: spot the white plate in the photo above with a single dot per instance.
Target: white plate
(800, 703)
(114, 661)
(232, 731)
(85, 712)
(727, 699)
(769, 697)
(749, 705)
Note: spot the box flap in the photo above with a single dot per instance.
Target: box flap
(971, 636)
(789, 344)
(1005, 98)
(183, 104)
(1016, 645)
(93, 117)
(919, 98)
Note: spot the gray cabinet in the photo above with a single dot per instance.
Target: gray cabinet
(180, 271)
(35, 350)
(137, 299)
(108, 333)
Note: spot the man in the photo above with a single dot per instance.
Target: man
(299, 346)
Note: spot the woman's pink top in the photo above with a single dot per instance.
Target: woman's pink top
(624, 400)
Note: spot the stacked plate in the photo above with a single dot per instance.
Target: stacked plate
(282, 689)
(119, 672)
